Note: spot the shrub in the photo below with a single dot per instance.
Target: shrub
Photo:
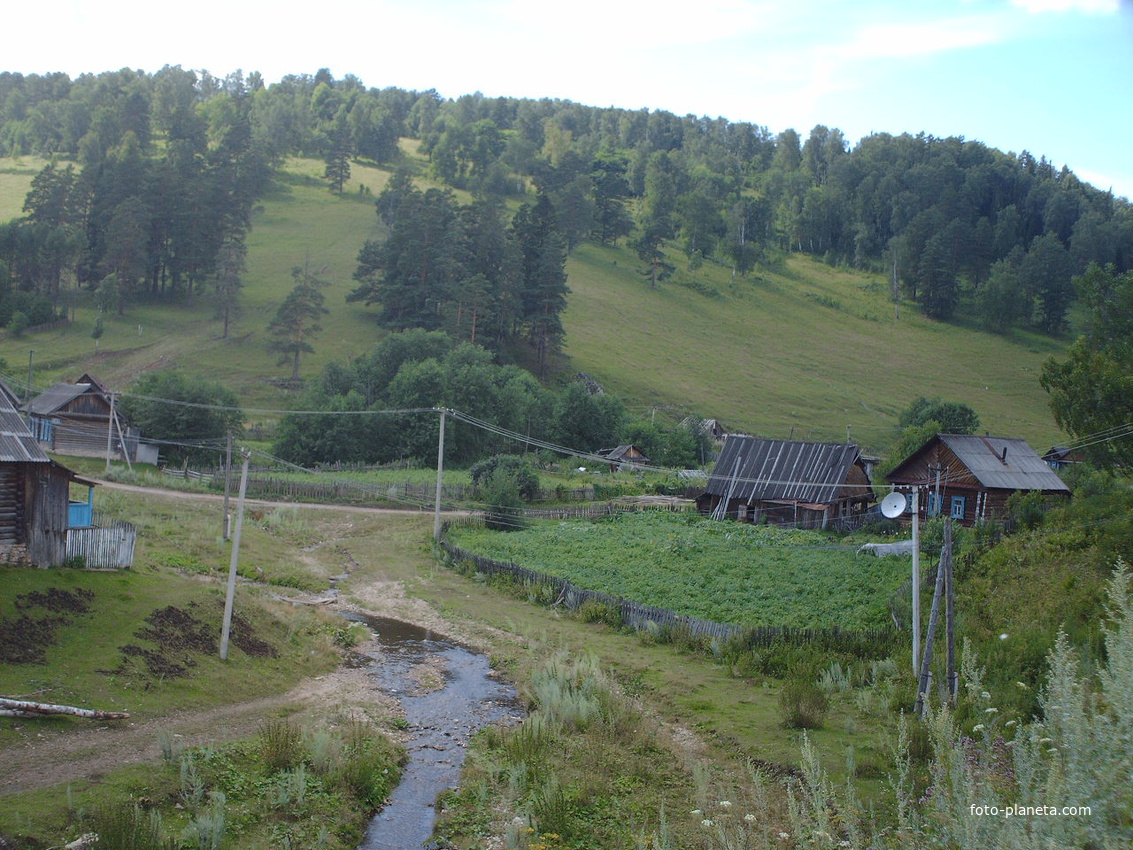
(802, 704)
(281, 744)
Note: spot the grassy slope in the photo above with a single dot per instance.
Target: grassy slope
(807, 349)
(769, 356)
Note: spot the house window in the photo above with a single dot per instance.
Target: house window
(934, 504)
(958, 505)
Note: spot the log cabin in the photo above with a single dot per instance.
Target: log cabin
(970, 478)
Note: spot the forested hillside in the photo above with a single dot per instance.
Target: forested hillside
(151, 182)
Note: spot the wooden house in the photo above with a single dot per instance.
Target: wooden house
(34, 493)
(970, 478)
(624, 457)
(1062, 457)
(79, 419)
(788, 482)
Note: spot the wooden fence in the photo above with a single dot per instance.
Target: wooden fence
(110, 546)
(649, 618)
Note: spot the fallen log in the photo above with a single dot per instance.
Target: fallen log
(23, 708)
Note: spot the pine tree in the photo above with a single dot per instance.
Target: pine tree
(296, 321)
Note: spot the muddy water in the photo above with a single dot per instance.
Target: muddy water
(448, 693)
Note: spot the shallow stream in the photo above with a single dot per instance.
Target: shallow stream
(448, 693)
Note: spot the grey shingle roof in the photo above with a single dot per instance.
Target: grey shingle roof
(17, 445)
(1005, 463)
(781, 469)
(55, 397)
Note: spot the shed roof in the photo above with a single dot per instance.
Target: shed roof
(1000, 463)
(55, 397)
(17, 445)
(764, 470)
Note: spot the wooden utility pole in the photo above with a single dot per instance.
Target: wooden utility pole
(226, 628)
(950, 616)
(926, 663)
(440, 479)
(916, 578)
(109, 432)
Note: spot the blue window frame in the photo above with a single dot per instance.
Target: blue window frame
(957, 507)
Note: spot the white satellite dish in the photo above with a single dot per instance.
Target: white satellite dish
(893, 505)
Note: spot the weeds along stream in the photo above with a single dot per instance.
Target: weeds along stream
(448, 693)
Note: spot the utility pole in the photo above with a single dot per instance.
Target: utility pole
(31, 354)
(950, 617)
(230, 596)
(227, 487)
(916, 577)
(926, 663)
(109, 433)
(440, 478)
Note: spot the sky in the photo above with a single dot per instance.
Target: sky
(1053, 77)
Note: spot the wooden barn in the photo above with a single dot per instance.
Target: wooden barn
(34, 493)
(970, 478)
(788, 482)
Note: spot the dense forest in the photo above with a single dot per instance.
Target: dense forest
(152, 179)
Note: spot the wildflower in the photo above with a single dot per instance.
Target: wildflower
(750, 818)
(725, 804)
(1009, 723)
(1046, 740)
(707, 822)
(695, 812)
(784, 836)
(992, 710)
(1022, 686)
(979, 727)
(985, 695)
(1003, 636)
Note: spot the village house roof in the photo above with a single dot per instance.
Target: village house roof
(54, 398)
(999, 463)
(764, 470)
(17, 445)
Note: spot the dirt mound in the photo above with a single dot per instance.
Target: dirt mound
(25, 639)
(178, 637)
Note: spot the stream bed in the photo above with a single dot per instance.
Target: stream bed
(448, 692)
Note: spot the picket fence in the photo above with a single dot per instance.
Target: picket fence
(106, 547)
(649, 618)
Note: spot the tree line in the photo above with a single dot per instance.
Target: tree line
(165, 168)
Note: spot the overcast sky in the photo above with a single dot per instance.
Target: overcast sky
(1049, 76)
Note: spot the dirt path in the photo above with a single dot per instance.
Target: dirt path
(87, 752)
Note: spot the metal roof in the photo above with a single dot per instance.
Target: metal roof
(753, 469)
(55, 397)
(1005, 463)
(17, 445)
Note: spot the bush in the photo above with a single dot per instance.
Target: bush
(802, 704)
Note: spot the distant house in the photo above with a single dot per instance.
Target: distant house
(79, 419)
(1061, 457)
(970, 478)
(788, 482)
(624, 457)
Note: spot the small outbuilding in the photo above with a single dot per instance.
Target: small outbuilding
(970, 478)
(625, 457)
(788, 482)
(34, 493)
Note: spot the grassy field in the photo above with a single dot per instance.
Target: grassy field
(802, 349)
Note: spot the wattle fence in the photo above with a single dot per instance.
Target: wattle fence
(649, 618)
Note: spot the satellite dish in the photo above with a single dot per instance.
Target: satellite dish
(893, 505)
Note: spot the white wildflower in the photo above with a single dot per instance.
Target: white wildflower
(725, 804)
(979, 727)
(707, 822)
(750, 818)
